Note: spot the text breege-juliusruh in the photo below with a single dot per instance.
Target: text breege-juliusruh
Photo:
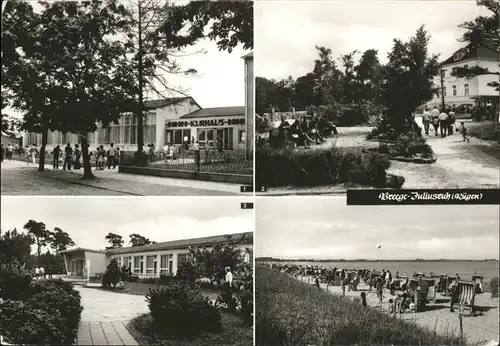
(426, 196)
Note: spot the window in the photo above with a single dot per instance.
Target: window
(466, 89)
(201, 136)
(137, 265)
(150, 264)
(454, 71)
(443, 72)
(166, 264)
(454, 90)
(126, 261)
(444, 91)
(466, 67)
(119, 260)
(241, 136)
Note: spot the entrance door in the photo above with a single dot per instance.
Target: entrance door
(154, 267)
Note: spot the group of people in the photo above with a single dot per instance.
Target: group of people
(403, 292)
(71, 156)
(443, 122)
(7, 151)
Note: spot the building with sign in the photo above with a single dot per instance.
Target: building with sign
(150, 260)
(209, 126)
(174, 121)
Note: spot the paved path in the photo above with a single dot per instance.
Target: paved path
(18, 178)
(459, 165)
(105, 316)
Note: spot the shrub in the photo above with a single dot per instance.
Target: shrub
(245, 296)
(187, 272)
(15, 284)
(152, 281)
(319, 167)
(50, 315)
(226, 299)
(180, 310)
(133, 278)
(112, 275)
(166, 279)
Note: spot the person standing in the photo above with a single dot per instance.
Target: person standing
(451, 122)
(426, 120)
(443, 123)
(78, 154)
(10, 149)
(68, 154)
(33, 154)
(56, 153)
(435, 120)
(112, 156)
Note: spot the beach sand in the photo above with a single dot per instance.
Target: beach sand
(479, 329)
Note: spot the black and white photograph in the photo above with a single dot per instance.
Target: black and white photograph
(376, 94)
(331, 274)
(126, 271)
(115, 97)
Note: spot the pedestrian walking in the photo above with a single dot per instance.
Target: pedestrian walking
(443, 123)
(68, 155)
(426, 120)
(56, 153)
(78, 154)
(112, 156)
(435, 120)
(463, 131)
(10, 149)
(451, 122)
(33, 154)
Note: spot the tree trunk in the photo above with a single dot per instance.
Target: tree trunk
(45, 135)
(87, 169)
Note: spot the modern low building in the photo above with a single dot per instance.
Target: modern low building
(173, 121)
(473, 91)
(149, 260)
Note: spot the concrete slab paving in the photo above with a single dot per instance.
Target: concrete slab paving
(105, 316)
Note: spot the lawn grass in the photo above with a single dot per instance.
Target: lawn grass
(233, 333)
(289, 312)
(485, 130)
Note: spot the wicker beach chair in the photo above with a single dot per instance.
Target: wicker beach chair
(466, 296)
(431, 293)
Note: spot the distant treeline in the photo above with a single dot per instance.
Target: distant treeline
(269, 259)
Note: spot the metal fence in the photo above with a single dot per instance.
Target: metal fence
(227, 161)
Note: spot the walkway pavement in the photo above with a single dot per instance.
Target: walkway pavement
(18, 178)
(105, 316)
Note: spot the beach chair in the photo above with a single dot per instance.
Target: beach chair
(421, 290)
(431, 293)
(466, 296)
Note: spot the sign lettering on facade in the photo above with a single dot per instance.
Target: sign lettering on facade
(205, 123)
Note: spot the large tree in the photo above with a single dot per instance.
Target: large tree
(72, 71)
(328, 79)
(60, 240)
(139, 240)
(40, 233)
(15, 246)
(408, 80)
(115, 240)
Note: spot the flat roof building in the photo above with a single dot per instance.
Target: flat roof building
(149, 260)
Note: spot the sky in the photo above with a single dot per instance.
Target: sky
(220, 80)
(88, 220)
(326, 228)
(286, 32)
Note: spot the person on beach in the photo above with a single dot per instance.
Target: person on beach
(426, 120)
(443, 123)
(435, 120)
(380, 289)
(454, 294)
(316, 282)
(363, 299)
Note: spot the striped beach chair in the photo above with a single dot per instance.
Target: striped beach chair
(466, 296)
